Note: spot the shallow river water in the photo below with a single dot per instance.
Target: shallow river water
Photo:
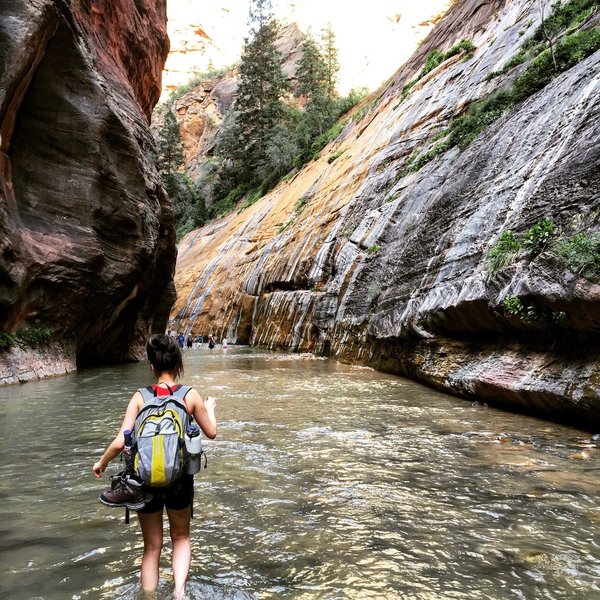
(326, 481)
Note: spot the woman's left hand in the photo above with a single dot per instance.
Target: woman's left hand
(98, 469)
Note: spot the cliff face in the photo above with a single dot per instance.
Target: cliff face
(87, 243)
(358, 258)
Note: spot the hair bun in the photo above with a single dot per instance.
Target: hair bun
(159, 341)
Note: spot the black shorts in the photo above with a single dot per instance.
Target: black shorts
(176, 497)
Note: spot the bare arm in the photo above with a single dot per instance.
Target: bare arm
(204, 413)
(116, 446)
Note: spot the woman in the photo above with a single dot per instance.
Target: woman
(167, 365)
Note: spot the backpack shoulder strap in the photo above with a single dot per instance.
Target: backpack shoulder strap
(181, 391)
(147, 394)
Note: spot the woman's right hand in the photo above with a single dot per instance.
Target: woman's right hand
(210, 403)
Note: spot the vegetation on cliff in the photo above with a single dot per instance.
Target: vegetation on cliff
(554, 48)
(28, 337)
(578, 249)
(267, 133)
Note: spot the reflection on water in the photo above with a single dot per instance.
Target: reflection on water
(326, 481)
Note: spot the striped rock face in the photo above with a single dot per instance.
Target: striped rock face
(364, 257)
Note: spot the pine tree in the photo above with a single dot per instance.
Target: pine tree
(316, 82)
(259, 107)
(170, 146)
(311, 70)
(332, 63)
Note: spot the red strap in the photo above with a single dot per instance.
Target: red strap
(160, 391)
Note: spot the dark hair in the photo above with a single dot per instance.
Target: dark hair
(164, 355)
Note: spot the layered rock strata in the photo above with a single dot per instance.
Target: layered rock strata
(87, 242)
(359, 258)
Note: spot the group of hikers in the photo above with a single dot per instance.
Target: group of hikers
(190, 341)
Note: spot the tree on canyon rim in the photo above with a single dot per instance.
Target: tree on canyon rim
(244, 143)
(189, 209)
(317, 70)
(170, 151)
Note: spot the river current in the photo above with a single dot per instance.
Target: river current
(326, 481)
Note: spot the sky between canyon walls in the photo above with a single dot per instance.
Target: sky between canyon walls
(374, 37)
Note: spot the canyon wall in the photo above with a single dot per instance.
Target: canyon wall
(360, 258)
(87, 245)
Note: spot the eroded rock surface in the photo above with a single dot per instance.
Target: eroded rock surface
(354, 258)
(87, 242)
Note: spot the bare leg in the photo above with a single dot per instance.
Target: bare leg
(152, 530)
(179, 526)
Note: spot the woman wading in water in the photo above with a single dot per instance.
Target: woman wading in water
(167, 365)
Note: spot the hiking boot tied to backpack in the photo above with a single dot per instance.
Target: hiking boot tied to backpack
(126, 490)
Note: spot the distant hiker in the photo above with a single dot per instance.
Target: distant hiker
(224, 344)
(211, 342)
(181, 340)
(190, 340)
(166, 362)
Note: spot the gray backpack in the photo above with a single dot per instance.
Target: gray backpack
(158, 437)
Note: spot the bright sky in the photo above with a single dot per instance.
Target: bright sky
(374, 37)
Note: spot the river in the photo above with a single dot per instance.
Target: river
(326, 481)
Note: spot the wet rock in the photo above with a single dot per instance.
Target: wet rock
(397, 263)
(87, 245)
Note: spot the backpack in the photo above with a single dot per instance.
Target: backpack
(158, 437)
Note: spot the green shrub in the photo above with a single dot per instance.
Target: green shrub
(346, 103)
(336, 155)
(537, 237)
(300, 204)
(224, 205)
(251, 197)
(7, 341)
(34, 336)
(513, 305)
(434, 58)
(464, 45)
(324, 139)
(581, 253)
(503, 252)
(373, 249)
(407, 87)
